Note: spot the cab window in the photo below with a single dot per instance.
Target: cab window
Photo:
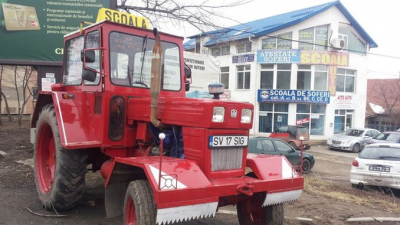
(131, 58)
(73, 63)
(93, 41)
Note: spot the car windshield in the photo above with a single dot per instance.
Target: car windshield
(379, 152)
(387, 137)
(302, 130)
(353, 132)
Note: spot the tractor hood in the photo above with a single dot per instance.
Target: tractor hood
(189, 112)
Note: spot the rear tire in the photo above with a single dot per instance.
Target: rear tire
(356, 148)
(139, 206)
(59, 173)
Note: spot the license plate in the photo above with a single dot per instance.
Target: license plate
(226, 141)
(379, 168)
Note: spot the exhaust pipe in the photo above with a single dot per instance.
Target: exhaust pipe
(155, 81)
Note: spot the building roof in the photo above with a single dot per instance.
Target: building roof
(271, 24)
(190, 44)
(383, 97)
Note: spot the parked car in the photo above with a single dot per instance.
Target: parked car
(291, 134)
(386, 137)
(272, 146)
(352, 139)
(377, 165)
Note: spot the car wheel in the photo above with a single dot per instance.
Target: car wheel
(306, 166)
(356, 148)
(293, 145)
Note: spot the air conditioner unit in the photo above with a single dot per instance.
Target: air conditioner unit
(337, 43)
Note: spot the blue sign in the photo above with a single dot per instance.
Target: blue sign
(243, 58)
(278, 56)
(297, 96)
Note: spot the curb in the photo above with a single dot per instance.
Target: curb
(374, 219)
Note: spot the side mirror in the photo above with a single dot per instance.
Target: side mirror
(88, 56)
(88, 75)
(291, 150)
(187, 86)
(188, 72)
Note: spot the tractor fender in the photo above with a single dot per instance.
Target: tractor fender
(268, 167)
(175, 173)
(44, 98)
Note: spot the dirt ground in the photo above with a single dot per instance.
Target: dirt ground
(327, 199)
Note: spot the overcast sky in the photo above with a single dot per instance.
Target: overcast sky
(380, 18)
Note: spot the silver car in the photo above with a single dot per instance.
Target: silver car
(377, 165)
(352, 139)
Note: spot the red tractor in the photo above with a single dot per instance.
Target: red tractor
(165, 158)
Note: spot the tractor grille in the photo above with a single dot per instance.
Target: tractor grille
(336, 142)
(226, 158)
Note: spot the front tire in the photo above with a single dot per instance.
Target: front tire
(139, 206)
(59, 173)
(251, 213)
(268, 215)
(356, 148)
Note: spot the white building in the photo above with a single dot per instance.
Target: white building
(305, 67)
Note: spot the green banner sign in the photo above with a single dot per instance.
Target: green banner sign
(34, 30)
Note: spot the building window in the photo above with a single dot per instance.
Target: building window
(345, 80)
(343, 120)
(282, 41)
(243, 77)
(351, 41)
(312, 117)
(307, 73)
(218, 51)
(280, 73)
(314, 38)
(320, 77)
(283, 76)
(272, 116)
(267, 76)
(304, 77)
(224, 76)
(243, 47)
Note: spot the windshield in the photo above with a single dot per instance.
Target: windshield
(386, 153)
(353, 132)
(130, 62)
(302, 130)
(387, 137)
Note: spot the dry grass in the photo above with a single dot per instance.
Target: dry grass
(373, 199)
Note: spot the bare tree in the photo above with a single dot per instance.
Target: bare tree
(205, 15)
(22, 83)
(386, 94)
(3, 97)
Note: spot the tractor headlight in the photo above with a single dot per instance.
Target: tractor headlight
(218, 114)
(246, 116)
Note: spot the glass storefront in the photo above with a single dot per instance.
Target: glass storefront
(311, 116)
(272, 116)
(343, 120)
